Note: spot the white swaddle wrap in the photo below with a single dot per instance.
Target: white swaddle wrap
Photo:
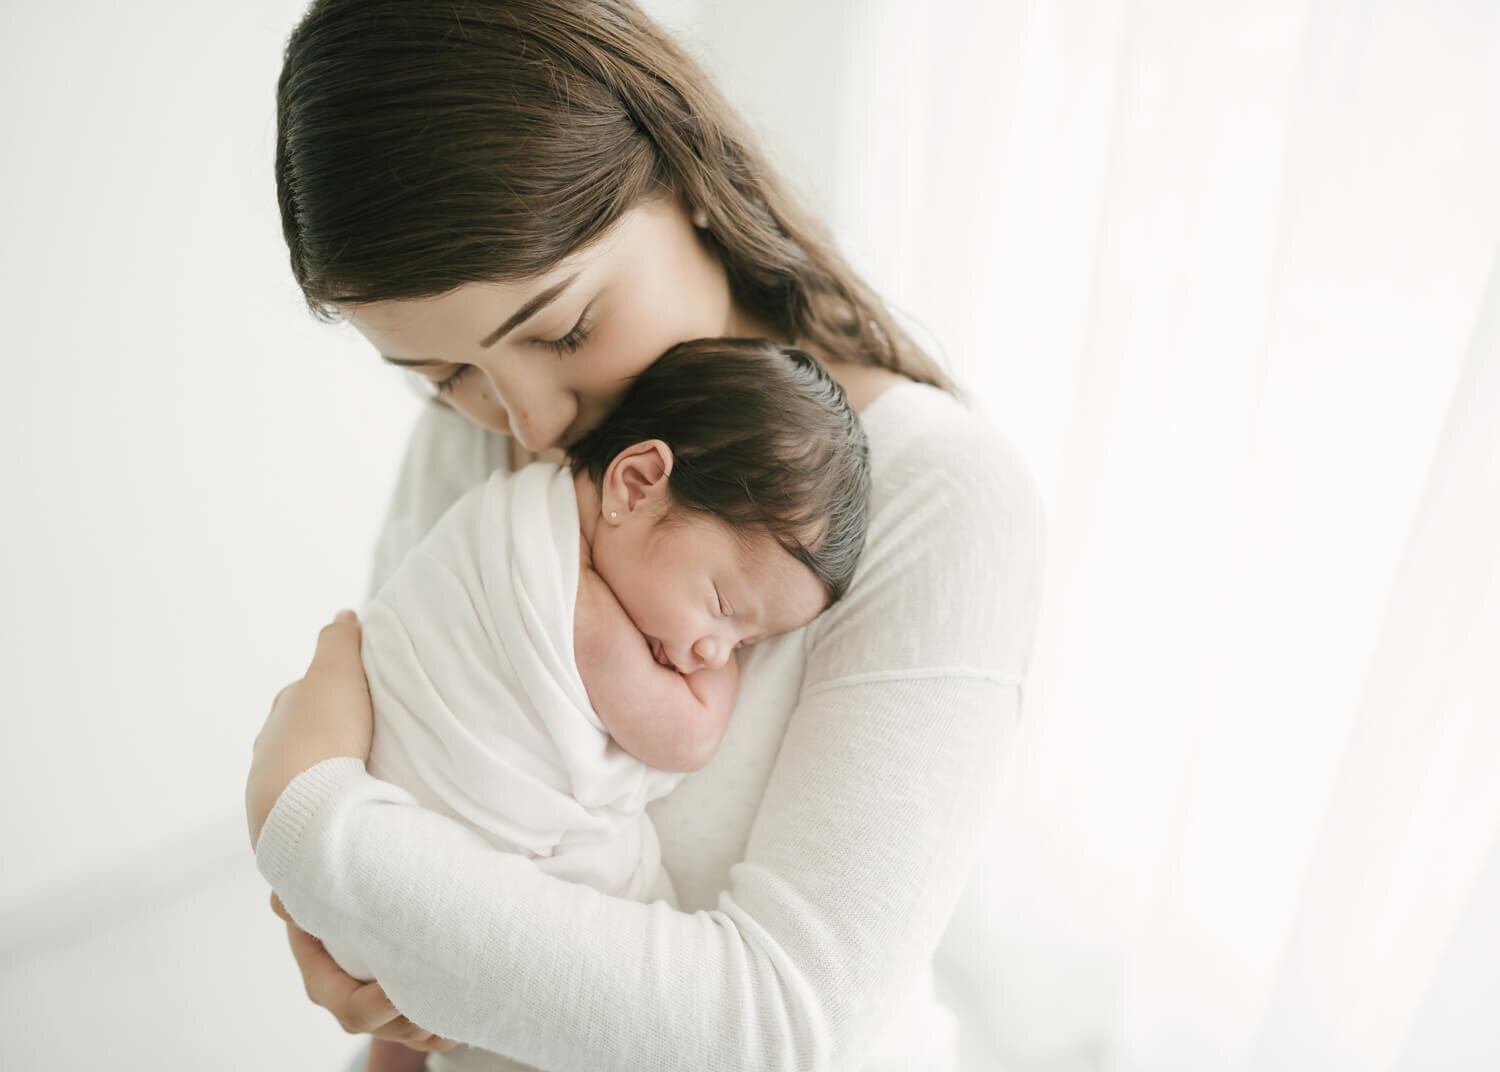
(480, 712)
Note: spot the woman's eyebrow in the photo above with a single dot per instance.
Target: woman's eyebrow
(520, 316)
(527, 311)
(409, 364)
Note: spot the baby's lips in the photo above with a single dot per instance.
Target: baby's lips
(659, 653)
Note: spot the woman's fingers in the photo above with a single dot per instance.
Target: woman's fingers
(338, 645)
(360, 1008)
(393, 1057)
(324, 715)
(411, 1036)
(334, 688)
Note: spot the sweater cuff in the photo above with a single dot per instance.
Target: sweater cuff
(292, 814)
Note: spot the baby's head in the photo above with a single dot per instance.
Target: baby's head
(734, 483)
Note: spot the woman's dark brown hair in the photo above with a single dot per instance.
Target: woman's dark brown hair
(761, 437)
(421, 146)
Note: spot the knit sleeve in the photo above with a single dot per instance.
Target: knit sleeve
(861, 849)
(861, 844)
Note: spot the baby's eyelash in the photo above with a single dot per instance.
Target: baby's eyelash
(446, 385)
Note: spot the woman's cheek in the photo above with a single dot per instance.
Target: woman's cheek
(634, 340)
(480, 405)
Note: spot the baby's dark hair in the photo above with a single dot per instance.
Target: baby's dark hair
(763, 438)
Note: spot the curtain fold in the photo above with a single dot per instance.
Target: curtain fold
(1220, 269)
(1414, 813)
(1225, 272)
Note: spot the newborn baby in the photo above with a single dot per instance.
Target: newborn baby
(560, 648)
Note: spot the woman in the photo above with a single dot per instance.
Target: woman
(527, 202)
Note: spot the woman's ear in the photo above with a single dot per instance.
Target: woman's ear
(635, 484)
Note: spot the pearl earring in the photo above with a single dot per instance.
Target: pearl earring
(613, 516)
(700, 219)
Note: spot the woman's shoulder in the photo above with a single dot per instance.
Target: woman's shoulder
(928, 443)
(950, 576)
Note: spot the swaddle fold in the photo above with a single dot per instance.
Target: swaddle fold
(480, 712)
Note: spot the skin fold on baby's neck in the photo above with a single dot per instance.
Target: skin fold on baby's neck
(588, 511)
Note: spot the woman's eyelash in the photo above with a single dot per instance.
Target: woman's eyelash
(570, 342)
(446, 385)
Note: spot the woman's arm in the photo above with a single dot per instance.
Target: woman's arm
(864, 839)
(361, 1008)
(862, 842)
(326, 713)
(445, 456)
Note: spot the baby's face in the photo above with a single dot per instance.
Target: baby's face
(698, 591)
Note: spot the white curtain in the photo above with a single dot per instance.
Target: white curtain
(1230, 274)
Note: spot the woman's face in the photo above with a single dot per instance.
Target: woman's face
(547, 358)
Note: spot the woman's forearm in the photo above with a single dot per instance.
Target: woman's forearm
(834, 912)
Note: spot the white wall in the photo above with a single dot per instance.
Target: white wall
(193, 468)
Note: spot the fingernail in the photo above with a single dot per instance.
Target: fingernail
(345, 616)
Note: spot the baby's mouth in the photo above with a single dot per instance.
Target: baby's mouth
(659, 653)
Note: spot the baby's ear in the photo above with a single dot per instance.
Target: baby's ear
(637, 478)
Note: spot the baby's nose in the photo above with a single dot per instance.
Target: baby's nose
(713, 653)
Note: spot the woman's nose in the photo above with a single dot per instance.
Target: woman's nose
(539, 412)
(712, 652)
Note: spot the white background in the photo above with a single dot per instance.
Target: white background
(1216, 268)
(195, 469)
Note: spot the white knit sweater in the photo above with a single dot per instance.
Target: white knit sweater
(817, 858)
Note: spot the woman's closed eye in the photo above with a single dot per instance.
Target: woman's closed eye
(575, 338)
(568, 344)
(446, 385)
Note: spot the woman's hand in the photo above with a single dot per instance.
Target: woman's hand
(360, 1008)
(325, 714)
